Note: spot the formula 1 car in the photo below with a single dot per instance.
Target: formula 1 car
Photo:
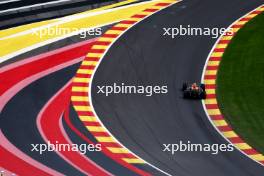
(194, 91)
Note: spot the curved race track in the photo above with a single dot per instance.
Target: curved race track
(142, 56)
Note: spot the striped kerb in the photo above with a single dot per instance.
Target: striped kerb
(210, 81)
(82, 80)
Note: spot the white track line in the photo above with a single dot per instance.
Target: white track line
(31, 6)
(202, 79)
(8, 1)
(90, 89)
(72, 18)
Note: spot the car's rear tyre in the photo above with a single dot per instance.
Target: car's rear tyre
(185, 94)
(203, 87)
(184, 86)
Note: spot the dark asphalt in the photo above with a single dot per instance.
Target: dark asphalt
(143, 56)
(18, 118)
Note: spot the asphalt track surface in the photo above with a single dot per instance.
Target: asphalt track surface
(17, 115)
(143, 56)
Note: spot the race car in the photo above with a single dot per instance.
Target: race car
(194, 91)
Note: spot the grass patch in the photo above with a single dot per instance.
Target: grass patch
(240, 83)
